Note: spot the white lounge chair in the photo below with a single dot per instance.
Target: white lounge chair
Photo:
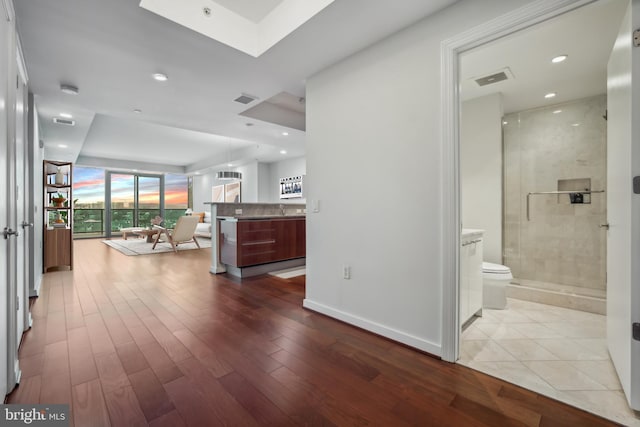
(183, 232)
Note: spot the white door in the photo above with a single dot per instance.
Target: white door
(623, 206)
(21, 195)
(5, 41)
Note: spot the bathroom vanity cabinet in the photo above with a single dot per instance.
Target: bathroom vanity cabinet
(470, 274)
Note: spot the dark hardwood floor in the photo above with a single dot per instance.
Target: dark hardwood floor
(157, 340)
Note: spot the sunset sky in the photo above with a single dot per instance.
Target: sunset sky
(88, 188)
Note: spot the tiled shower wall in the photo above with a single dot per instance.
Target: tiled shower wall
(561, 243)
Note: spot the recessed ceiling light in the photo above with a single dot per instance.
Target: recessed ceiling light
(229, 165)
(66, 115)
(283, 151)
(505, 122)
(285, 133)
(197, 173)
(69, 89)
(160, 77)
(557, 112)
(137, 110)
(559, 58)
(62, 146)
(575, 124)
(550, 95)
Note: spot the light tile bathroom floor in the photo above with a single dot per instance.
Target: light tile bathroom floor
(555, 351)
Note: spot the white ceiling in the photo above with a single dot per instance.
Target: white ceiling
(109, 49)
(587, 35)
(253, 10)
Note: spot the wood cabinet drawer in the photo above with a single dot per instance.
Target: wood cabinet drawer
(254, 242)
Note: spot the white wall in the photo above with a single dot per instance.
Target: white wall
(374, 113)
(284, 169)
(250, 179)
(481, 171)
(260, 182)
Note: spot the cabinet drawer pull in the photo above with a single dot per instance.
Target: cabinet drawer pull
(472, 242)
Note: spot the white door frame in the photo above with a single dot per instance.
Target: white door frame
(451, 49)
(13, 366)
(25, 182)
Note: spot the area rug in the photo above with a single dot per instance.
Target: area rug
(141, 247)
(290, 272)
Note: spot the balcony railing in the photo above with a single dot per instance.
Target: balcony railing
(91, 222)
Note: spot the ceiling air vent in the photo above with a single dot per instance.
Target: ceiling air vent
(496, 77)
(229, 175)
(65, 122)
(245, 99)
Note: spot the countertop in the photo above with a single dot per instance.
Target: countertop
(259, 217)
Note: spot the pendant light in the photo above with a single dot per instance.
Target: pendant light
(229, 174)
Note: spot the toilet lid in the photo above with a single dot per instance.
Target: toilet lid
(489, 267)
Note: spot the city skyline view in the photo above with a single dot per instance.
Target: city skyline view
(89, 190)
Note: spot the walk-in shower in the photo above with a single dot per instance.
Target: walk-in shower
(555, 204)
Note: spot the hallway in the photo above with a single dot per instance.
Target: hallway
(157, 340)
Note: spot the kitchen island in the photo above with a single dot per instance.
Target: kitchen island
(255, 238)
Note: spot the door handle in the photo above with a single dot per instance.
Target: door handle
(26, 224)
(604, 226)
(8, 232)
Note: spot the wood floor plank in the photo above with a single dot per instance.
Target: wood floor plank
(89, 408)
(124, 409)
(98, 335)
(158, 340)
(172, 419)
(56, 360)
(192, 405)
(32, 365)
(56, 326)
(131, 357)
(112, 374)
(204, 384)
(117, 330)
(256, 403)
(151, 396)
(169, 343)
(369, 404)
(81, 361)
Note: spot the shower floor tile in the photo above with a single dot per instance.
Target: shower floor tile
(555, 351)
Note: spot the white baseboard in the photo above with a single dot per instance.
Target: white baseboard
(35, 292)
(385, 331)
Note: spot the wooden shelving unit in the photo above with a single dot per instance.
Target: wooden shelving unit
(58, 215)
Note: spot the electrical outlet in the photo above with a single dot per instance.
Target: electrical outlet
(346, 272)
(238, 211)
(298, 210)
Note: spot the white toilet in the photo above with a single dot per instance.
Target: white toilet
(495, 278)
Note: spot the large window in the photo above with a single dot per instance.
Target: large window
(176, 198)
(133, 200)
(88, 203)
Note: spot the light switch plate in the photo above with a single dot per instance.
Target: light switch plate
(238, 211)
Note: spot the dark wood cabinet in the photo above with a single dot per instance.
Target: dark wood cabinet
(259, 241)
(57, 244)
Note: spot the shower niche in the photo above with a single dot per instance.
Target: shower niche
(579, 191)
